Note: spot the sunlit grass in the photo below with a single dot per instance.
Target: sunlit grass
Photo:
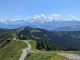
(12, 51)
(45, 55)
(32, 43)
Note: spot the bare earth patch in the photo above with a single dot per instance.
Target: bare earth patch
(26, 51)
(70, 56)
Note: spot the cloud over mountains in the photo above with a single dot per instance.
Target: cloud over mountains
(41, 18)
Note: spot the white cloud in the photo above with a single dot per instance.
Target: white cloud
(3, 21)
(71, 18)
(41, 18)
(51, 18)
(55, 17)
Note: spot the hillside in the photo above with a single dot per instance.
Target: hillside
(59, 39)
(42, 54)
(12, 51)
(3, 31)
(45, 55)
(42, 47)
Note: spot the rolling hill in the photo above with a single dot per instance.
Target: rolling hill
(40, 40)
(66, 40)
(60, 39)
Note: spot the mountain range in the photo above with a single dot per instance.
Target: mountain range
(67, 40)
(51, 26)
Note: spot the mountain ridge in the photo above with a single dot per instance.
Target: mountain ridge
(58, 39)
(52, 26)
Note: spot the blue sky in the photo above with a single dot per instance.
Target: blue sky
(23, 8)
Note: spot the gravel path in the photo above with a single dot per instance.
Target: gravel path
(26, 51)
(70, 56)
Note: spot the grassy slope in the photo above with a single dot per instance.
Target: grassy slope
(39, 55)
(43, 55)
(58, 57)
(12, 51)
(74, 52)
(32, 43)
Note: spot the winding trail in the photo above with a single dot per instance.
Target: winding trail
(26, 51)
(70, 56)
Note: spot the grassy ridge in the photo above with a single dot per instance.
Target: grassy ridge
(76, 52)
(58, 57)
(12, 51)
(45, 55)
(39, 56)
(73, 52)
(32, 43)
